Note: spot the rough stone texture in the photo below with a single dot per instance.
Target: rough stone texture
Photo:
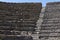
(50, 28)
(39, 22)
(18, 38)
(17, 17)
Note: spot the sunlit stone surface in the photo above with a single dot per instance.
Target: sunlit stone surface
(50, 28)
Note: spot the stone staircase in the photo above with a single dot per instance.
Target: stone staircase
(50, 28)
(40, 20)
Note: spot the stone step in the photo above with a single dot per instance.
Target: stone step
(50, 31)
(52, 19)
(35, 36)
(50, 25)
(49, 28)
(50, 34)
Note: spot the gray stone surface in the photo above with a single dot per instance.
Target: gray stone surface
(16, 18)
(50, 28)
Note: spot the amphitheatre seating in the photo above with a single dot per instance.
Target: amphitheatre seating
(50, 28)
(18, 17)
(18, 38)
